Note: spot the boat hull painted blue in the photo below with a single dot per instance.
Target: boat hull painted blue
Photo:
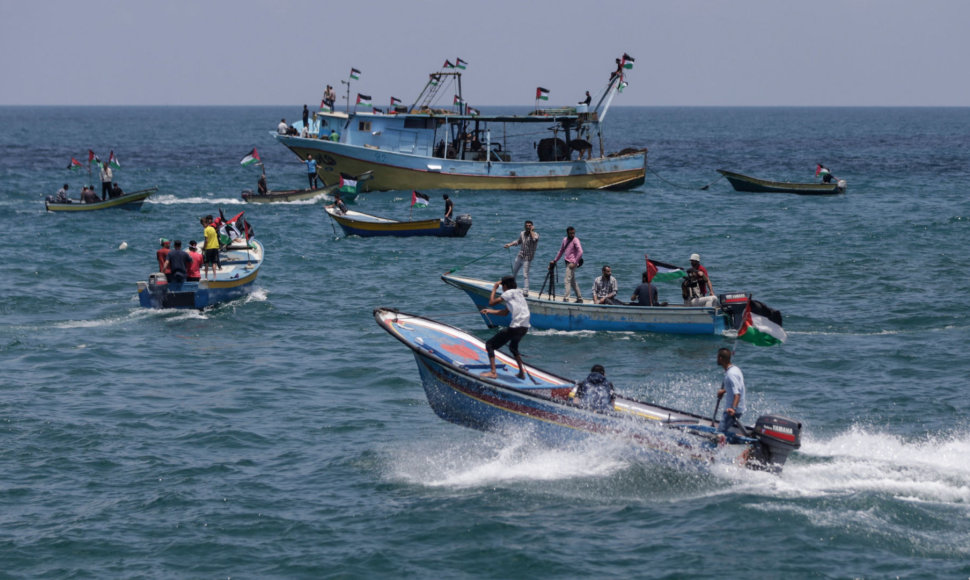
(557, 315)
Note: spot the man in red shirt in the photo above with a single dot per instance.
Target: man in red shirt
(162, 256)
(194, 272)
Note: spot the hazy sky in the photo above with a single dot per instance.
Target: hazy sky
(688, 52)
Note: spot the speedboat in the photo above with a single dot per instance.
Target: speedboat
(450, 362)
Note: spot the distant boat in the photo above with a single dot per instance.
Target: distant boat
(130, 201)
(549, 313)
(451, 146)
(355, 223)
(450, 362)
(240, 267)
(755, 185)
(305, 194)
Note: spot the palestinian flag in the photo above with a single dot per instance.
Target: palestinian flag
(363, 100)
(347, 184)
(92, 158)
(113, 161)
(378, 110)
(355, 74)
(448, 64)
(663, 272)
(231, 229)
(395, 101)
(419, 199)
(627, 61)
(457, 100)
(434, 79)
(460, 63)
(759, 330)
(469, 110)
(542, 94)
(75, 164)
(250, 158)
(621, 86)
(820, 170)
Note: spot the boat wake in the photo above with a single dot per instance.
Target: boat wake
(932, 469)
(487, 461)
(170, 199)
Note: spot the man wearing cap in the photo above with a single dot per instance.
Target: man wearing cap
(162, 255)
(706, 288)
(194, 271)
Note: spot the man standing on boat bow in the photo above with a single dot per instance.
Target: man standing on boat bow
(518, 310)
(527, 241)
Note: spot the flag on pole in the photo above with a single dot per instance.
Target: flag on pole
(542, 94)
(113, 161)
(760, 330)
(460, 63)
(377, 110)
(434, 79)
(663, 272)
(627, 61)
(457, 100)
(448, 64)
(355, 74)
(469, 110)
(395, 101)
(347, 184)
(621, 86)
(92, 158)
(75, 164)
(250, 158)
(419, 199)
(363, 100)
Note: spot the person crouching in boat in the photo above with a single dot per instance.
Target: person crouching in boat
(605, 288)
(518, 310)
(595, 392)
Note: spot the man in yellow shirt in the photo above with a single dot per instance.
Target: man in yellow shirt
(211, 248)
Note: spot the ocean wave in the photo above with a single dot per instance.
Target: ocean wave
(169, 199)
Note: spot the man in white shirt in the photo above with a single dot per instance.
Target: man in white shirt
(518, 310)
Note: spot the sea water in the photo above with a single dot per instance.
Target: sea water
(286, 435)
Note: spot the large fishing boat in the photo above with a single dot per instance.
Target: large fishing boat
(450, 361)
(423, 146)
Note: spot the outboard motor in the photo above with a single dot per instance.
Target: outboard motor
(777, 438)
(733, 304)
(462, 224)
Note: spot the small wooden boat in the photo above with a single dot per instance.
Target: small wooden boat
(755, 185)
(548, 313)
(450, 362)
(355, 223)
(285, 195)
(305, 194)
(240, 266)
(131, 201)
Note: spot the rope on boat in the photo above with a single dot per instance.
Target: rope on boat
(456, 268)
(702, 188)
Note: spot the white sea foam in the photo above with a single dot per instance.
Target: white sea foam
(515, 460)
(169, 199)
(933, 469)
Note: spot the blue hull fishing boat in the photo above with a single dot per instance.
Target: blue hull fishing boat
(355, 223)
(240, 261)
(450, 362)
(549, 313)
(452, 146)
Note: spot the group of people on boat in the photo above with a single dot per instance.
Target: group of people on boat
(181, 266)
(595, 392)
(697, 289)
(88, 194)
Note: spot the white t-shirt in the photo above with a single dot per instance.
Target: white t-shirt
(518, 308)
